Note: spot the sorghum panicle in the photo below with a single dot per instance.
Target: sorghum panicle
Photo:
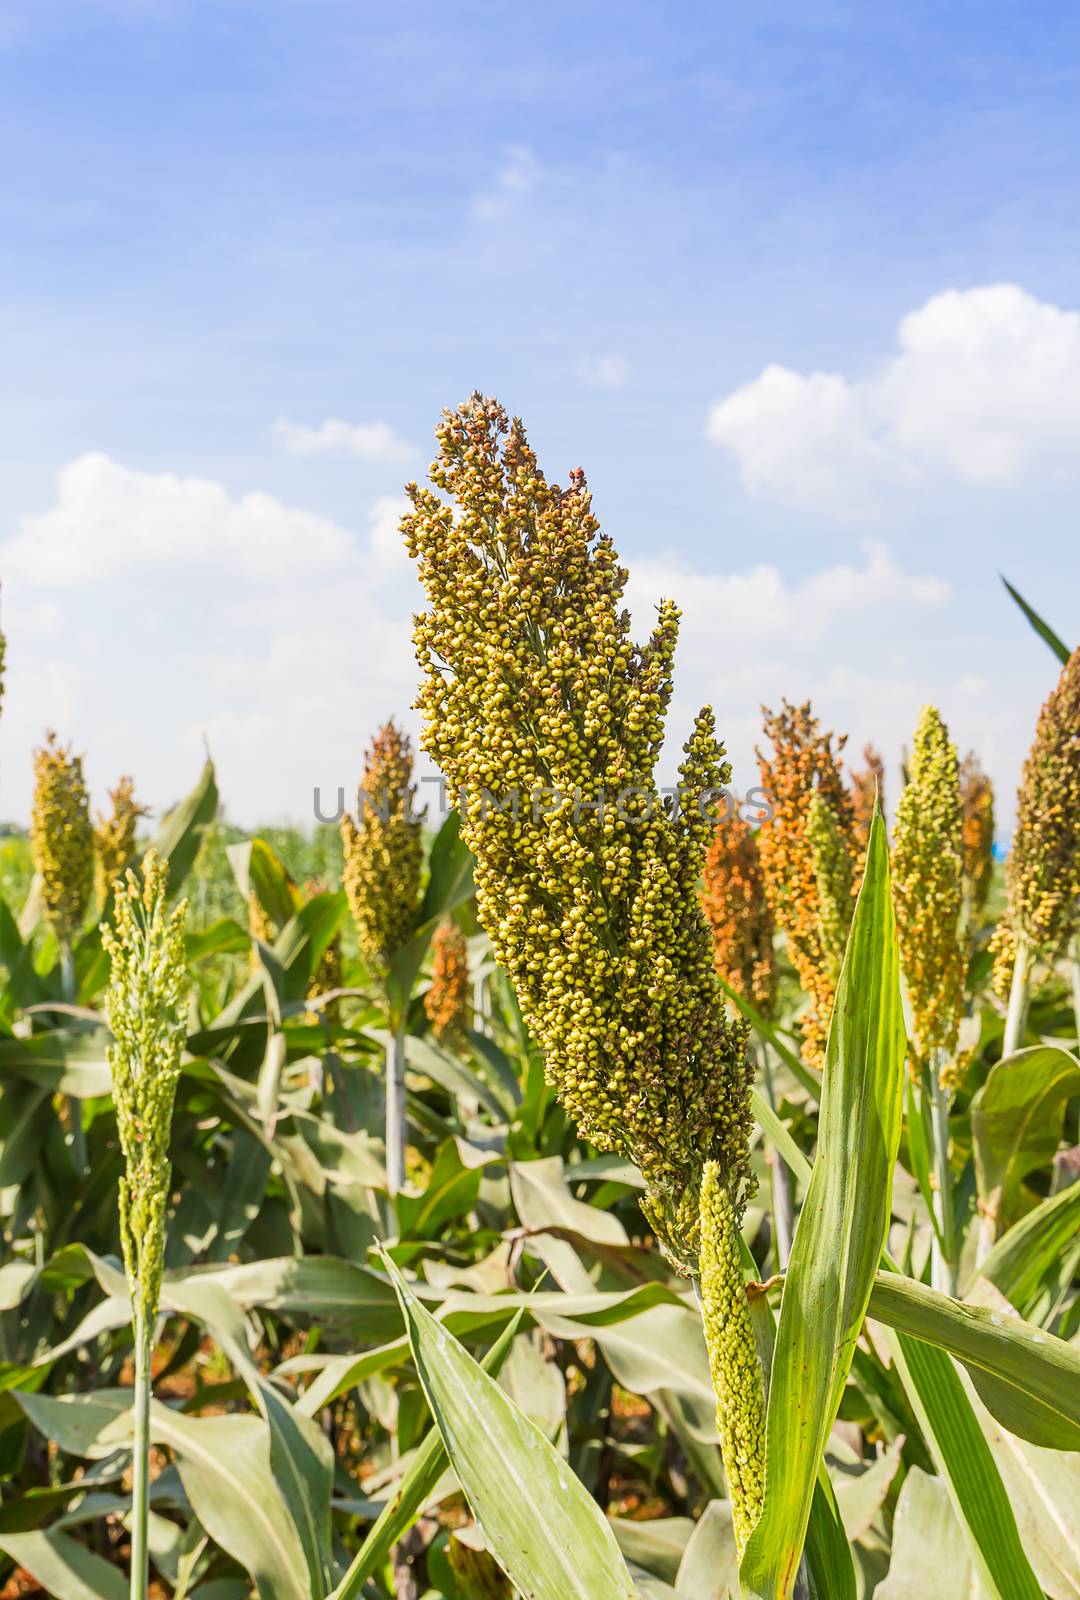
(834, 875)
(539, 707)
(977, 794)
(62, 837)
(867, 785)
(1043, 871)
(384, 850)
(738, 914)
(147, 987)
(928, 888)
(448, 1002)
(804, 762)
(114, 838)
(736, 1371)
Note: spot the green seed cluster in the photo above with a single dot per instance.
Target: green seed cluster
(733, 1361)
(834, 876)
(928, 887)
(539, 710)
(1043, 872)
(147, 988)
(384, 851)
(62, 837)
(114, 839)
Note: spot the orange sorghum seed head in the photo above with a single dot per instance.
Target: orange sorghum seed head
(448, 1002)
(738, 914)
(977, 793)
(805, 761)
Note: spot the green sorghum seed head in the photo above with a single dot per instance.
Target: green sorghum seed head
(114, 839)
(62, 837)
(384, 850)
(538, 705)
(928, 888)
(834, 875)
(147, 987)
(733, 1359)
(1043, 871)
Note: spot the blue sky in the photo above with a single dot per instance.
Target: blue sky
(681, 241)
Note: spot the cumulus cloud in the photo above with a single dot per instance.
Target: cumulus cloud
(604, 372)
(371, 441)
(148, 611)
(985, 384)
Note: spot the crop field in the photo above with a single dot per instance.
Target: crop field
(597, 1189)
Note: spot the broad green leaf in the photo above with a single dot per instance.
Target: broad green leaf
(840, 1233)
(1043, 629)
(538, 1521)
(423, 1473)
(181, 833)
(929, 1560)
(709, 1568)
(65, 1569)
(1032, 1246)
(656, 1544)
(1016, 1121)
(1029, 1379)
(260, 872)
(963, 1459)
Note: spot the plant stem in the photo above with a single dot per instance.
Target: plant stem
(140, 1474)
(944, 1251)
(1074, 965)
(395, 1112)
(1018, 996)
(72, 1105)
(780, 1177)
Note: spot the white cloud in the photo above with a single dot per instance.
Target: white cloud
(604, 372)
(371, 441)
(145, 611)
(985, 384)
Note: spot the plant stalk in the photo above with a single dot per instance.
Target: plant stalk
(140, 1467)
(1074, 965)
(944, 1262)
(395, 1112)
(1016, 1015)
(71, 1104)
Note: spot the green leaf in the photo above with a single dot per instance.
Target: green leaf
(1032, 1246)
(1016, 1121)
(423, 1473)
(1043, 629)
(1029, 1379)
(178, 839)
(963, 1459)
(540, 1524)
(64, 1568)
(929, 1560)
(841, 1229)
(709, 1568)
(259, 871)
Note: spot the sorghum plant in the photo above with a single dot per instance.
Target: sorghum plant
(147, 986)
(448, 1002)
(547, 720)
(804, 762)
(62, 842)
(867, 785)
(928, 891)
(977, 792)
(383, 857)
(1043, 871)
(114, 839)
(738, 914)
